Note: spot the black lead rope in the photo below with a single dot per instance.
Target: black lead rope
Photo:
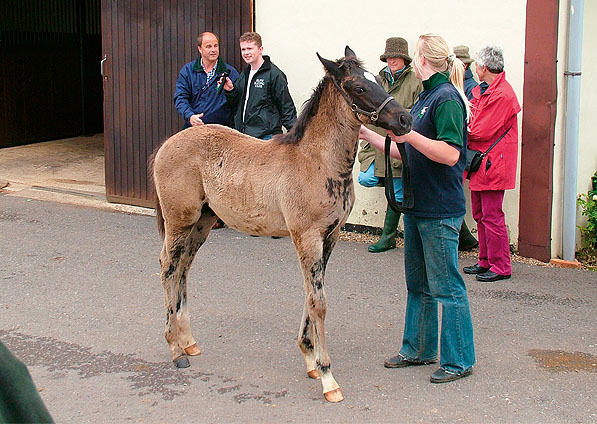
(407, 199)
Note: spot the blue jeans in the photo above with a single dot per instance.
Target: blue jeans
(432, 276)
(368, 179)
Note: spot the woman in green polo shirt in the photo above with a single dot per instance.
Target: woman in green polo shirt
(436, 151)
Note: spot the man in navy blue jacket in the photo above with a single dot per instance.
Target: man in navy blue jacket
(197, 98)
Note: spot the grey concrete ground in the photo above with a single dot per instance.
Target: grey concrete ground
(81, 304)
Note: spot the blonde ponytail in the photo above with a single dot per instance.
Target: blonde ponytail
(456, 68)
(441, 57)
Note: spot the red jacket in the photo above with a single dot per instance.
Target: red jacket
(492, 113)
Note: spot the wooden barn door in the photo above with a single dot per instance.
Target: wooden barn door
(50, 86)
(145, 43)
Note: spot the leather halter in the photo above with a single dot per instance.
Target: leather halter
(407, 199)
(373, 116)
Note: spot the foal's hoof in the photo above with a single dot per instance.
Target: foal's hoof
(334, 396)
(192, 350)
(314, 374)
(182, 362)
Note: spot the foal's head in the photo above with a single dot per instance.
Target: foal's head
(366, 96)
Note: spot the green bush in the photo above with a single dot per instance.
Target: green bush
(588, 203)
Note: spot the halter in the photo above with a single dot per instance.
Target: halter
(373, 116)
(408, 199)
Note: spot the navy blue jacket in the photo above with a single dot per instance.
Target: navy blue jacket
(437, 188)
(194, 95)
(469, 84)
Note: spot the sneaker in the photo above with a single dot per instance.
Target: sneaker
(475, 269)
(400, 361)
(490, 277)
(444, 376)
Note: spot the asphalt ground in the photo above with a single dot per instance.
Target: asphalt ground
(81, 304)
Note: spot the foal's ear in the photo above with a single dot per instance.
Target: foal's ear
(332, 67)
(348, 52)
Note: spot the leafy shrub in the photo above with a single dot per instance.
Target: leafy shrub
(588, 204)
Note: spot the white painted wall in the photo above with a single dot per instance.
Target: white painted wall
(293, 31)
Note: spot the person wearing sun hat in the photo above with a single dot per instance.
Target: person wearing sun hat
(399, 80)
(462, 53)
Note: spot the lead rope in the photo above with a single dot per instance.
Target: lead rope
(407, 198)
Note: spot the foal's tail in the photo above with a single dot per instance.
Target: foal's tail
(158, 207)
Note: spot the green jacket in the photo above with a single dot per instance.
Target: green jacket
(406, 91)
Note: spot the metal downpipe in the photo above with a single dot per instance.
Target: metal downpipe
(573, 74)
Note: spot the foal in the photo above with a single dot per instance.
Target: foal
(298, 184)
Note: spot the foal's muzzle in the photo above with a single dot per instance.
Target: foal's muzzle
(405, 123)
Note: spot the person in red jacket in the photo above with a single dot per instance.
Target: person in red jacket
(494, 110)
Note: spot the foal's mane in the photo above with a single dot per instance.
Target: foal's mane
(311, 106)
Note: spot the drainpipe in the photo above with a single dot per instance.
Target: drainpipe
(572, 74)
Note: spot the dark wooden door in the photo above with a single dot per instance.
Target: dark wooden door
(145, 43)
(50, 86)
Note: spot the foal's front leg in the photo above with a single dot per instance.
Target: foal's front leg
(193, 242)
(313, 254)
(305, 342)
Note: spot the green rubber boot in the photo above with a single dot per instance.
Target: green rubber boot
(387, 240)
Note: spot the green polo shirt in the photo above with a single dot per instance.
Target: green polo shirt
(448, 115)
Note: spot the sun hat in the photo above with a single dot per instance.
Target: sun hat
(396, 47)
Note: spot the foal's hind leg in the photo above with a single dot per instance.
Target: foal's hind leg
(170, 260)
(180, 247)
(314, 251)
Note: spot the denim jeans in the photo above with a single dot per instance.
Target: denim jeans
(432, 276)
(368, 179)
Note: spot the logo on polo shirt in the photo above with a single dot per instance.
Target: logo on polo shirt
(422, 112)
